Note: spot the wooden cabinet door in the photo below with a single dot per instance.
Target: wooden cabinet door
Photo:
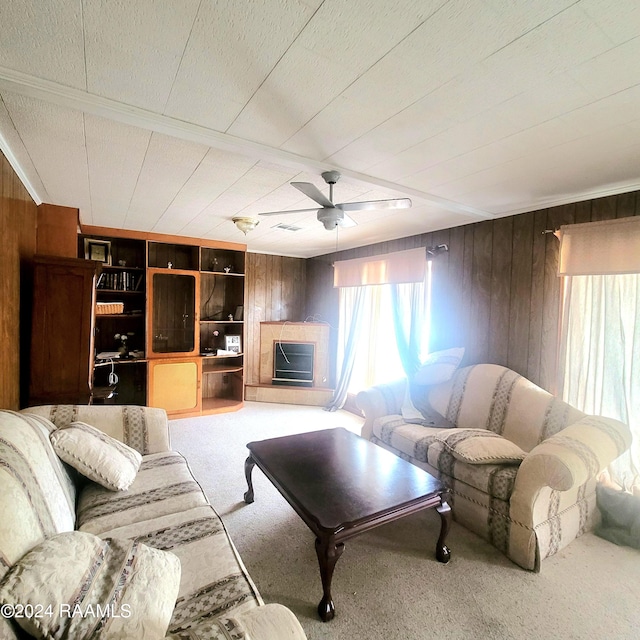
(174, 385)
(62, 330)
(172, 315)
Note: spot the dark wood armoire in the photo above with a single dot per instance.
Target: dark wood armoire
(62, 330)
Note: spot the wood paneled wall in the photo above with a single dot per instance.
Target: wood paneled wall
(17, 247)
(495, 291)
(276, 291)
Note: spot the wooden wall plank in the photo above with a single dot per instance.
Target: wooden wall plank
(583, 211)
(276, 291)
(603, 208)
(478, 336)
(626, 205)
(501, 259)
(457, 325)
(520, 292)
(556, 217)
(17, 247)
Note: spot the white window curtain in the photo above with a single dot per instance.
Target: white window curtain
(370, 290)
(600, 336)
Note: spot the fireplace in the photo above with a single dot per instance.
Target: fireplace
(293, 363)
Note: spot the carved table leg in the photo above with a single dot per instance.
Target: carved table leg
(328, 553)
(443, 554)
(248, 468)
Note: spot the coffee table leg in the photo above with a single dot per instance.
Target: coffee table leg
(248, 468)
(328, 553)
(443, 554)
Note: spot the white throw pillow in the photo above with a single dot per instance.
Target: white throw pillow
(96, 455)
(439, 366)
(479, 446)
(75, 585)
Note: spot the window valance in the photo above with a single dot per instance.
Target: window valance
(600, 248)
(389, 268)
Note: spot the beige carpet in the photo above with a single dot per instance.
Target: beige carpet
(387, 584)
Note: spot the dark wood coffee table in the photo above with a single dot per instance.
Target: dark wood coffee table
(342, 485)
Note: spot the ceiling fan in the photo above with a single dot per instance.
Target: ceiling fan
(333, 215)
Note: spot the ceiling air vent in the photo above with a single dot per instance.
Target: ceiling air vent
(287, 227)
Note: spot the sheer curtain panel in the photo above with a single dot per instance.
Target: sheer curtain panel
(599, 370)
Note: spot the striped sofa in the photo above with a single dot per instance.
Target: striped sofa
(42, 499)
(520, 463)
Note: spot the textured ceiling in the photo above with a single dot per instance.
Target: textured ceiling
(174, 117)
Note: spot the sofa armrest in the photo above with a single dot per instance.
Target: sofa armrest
(146, 429)
(380, 400)
(576, 454)
(268, 622)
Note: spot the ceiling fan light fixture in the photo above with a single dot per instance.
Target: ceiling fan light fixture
(246, 224)
(330, 217)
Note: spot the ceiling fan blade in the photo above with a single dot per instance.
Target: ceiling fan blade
(395, 203)
(313, 192)
(279, 213)
(347, 222)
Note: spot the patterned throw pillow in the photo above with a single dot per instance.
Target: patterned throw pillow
(96, 455)
(75, 585)
(479, 446)
(439, 367)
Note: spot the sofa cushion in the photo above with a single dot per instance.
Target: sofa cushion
(214, 580)
(37, 499)
(410, 439)
(164, 485)
(75, 585)
(271, 622)
(145, 429)
(478, 446)
(96, 455)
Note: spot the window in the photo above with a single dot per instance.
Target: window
(377, 357)
(383, 303)
(600, 338)
(601, 361)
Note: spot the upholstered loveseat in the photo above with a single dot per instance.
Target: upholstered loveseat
(521, 464)
(80, 560)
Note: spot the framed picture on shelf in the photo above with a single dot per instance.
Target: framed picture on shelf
(99, 250)
(232, 343)
(239, 314)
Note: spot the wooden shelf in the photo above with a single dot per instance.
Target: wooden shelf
(228, 355)
(119, 315)
(119, 267)
(117, 361)
(120, 291)
(223, 273)
(220, 405)
(221, 369)
(221, 321)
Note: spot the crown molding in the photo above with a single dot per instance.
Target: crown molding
(548, 203)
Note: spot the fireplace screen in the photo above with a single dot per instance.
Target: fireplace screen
(293, 363)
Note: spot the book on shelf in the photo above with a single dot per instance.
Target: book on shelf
(120, 281)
